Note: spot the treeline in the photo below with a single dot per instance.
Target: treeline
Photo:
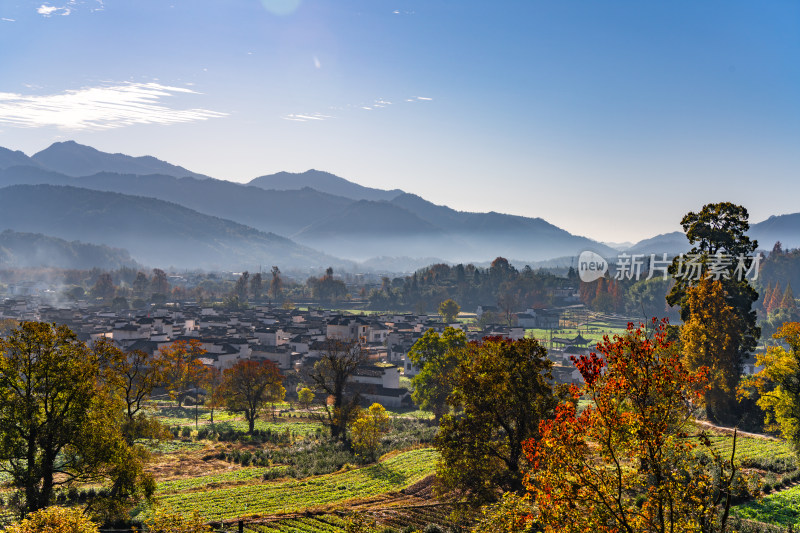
(500, 284)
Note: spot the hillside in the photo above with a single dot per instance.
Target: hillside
(31, 250)
(154, 231)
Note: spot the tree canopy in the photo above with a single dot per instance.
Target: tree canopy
(778, 384)
(249, 386)
(437, 357)
(330, 376)
(61, 421)
(625, 463)
(503, 389)
(721, 248)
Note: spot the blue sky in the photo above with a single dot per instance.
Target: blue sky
(610, 119)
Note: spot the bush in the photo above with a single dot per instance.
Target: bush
(55, 520)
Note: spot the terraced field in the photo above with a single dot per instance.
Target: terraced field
(266, 498)
(751, 447)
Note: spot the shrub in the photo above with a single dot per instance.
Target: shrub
(55, 520)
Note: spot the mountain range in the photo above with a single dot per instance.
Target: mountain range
(167, 215)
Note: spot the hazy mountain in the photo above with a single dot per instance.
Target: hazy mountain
(155, 232)
(22, 250)
(619, 245)
(75, 159)
(281, 212)
(315, 208)
(11, 158)
(323, 182)
(367, 229)
(496, 234)
(784, 228)
(672, 243)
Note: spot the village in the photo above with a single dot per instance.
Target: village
(291, 338)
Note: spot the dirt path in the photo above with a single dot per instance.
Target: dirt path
(723, 429)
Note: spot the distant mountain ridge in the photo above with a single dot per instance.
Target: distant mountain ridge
(341, 219)
(75, 159)
(326, 212)
(154, 231)
(322, 182)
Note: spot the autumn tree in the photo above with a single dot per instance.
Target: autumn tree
(626, 462)
(711, 338)
(103, 287)
(437, 357)
(132, 376)
(256, 286)
(140, 286)
(305, 396)
(327, 287)
(240, 289)
(329, 376)
(778, 384)
(503, 389)
(182, 367)
(61, 423)
(367, 429)
(159, 283)
(249, 386)
(275, 284)
(449, 310)
(718, 234)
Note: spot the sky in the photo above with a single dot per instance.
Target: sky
(610, 119)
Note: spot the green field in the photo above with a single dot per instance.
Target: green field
(263, 498)
(593, 332)
(778, 508)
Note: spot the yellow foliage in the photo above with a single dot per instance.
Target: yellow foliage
(777, 383)
(55, 520)
(368, 428)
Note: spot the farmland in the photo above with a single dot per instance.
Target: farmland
(262, 498)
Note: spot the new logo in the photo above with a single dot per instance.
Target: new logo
(591, 266)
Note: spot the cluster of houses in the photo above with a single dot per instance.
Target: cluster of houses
(292, 339)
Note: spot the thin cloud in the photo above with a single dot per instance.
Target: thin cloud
(375, 105)
(99, 108)
(7, 20)
(46, 10)
(297, 117)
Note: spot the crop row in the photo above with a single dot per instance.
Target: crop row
(750, 447)
(326, 524)
(266, 498)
